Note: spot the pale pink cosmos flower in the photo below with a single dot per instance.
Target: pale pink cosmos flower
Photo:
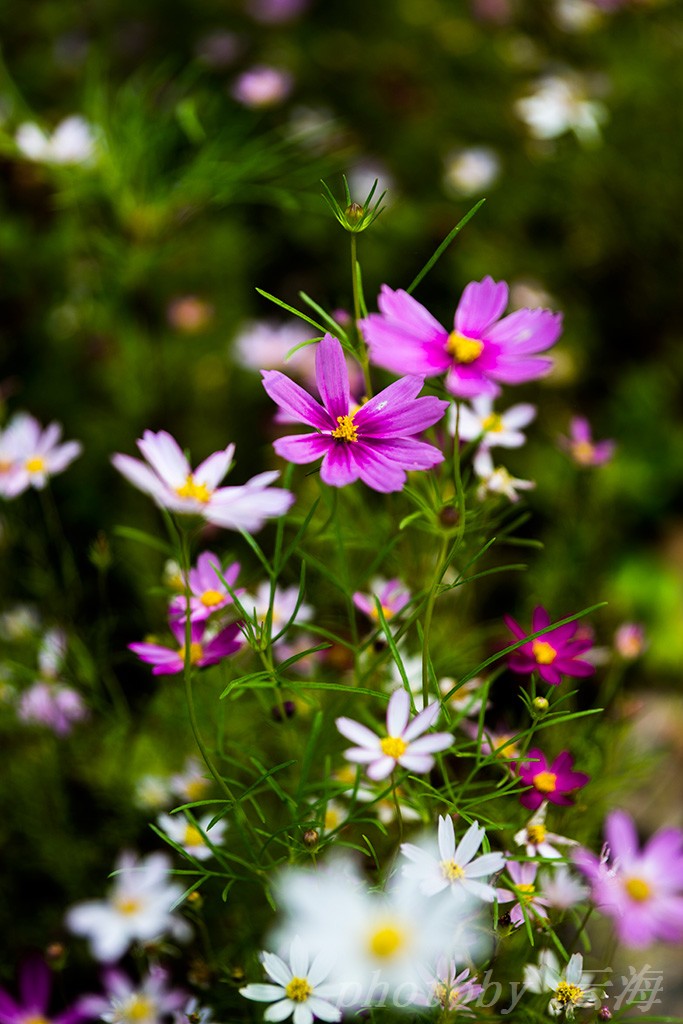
(139, 908)
(581, 446)
(448, 988)
(170, 480)
(262, 86)
(526, 897)
(171, 660)
(376, 442)
(208, 583)
(29, 455)
(561, 888)
(288, 608)
(630, 640)
(640, 889)
(393, 596)
(126, 1003)
(453, 867)
(52, 704)
(404, 743)
(482, 351)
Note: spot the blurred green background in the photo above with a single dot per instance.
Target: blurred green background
(128, 276)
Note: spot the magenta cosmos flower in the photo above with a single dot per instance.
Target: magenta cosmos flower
(581, 446)
(481, 352)
(552, 655)
(169, 661)
(401, 745)
(641, 890)
(35, 982)
(170, 480)
(550, 782)
(208, 592)
(375, 443)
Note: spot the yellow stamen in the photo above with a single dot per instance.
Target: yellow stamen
(138, 1009)
(211, 597)
(191, 489)
(127, 905)
(536, 834)
(525, 891)
(493, 424)
(386, 941)
(638, 889)
(346, 431)
(543, 652)
(36, 464)
(463, 350)
(196, 788)
(446, 996)
(196, 653)
(332, 819)
(193, 836)
(583, 452)
(35, 1018)
(568, 995)
(298, 990)
(393, 746)
(386, 612)
(546, 782)
(451, 870)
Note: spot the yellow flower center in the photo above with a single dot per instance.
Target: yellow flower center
(536, 833)
(463, 350)
(507, 748)
(386, 612)
(196, 653)
(546, 782)
(332, 819)
(196, 788)
(210, 598)
(191, 489)
(137, 1009)
(35, 1018)
(543, 652)
(525, 891)
(567, 994)
(127, 905)
(393, 746)
(451, 870)
(583, 452)
(386, 941)
(493, 424)
(638, 889)
(192, 836)
(298, 990)
(346, 431)
(36, 464)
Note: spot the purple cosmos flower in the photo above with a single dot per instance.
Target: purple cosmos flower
(630, 640)
(127, 1003)
(169, 661)
(393, 597)
(29, 455)
(526, 893)
(375, 442)
(35, 982)
(262, 86)
(580, 445)
(552, 655)
(551, 782)
(641, 890)
(169, 479)
(401, 744)
(52, 704)
(208, 592)
(481, 352)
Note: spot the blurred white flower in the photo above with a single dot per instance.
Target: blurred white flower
(469, 171)
(72, 142)
(561, 888)
(192, 783)
(193, 837)
(262, 86)
(559, 104)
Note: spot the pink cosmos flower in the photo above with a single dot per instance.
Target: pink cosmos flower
(481, 352)
(29, 455)
(630, 640)
(35, 982)
(169, 661)
(580, 445)
(169, 479)
(52, 704)
(126, 1003)
(401, 745)
(640, 889)
(375, 442)
(551, 782)
(262, 86)
(526, 894)
(393, 597)
(447, 988)
(552, 655)
(208, 592)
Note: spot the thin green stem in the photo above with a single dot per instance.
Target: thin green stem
(362, 348)
(429, 612)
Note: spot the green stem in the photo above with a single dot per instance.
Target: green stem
(362, 348)
(429, 611)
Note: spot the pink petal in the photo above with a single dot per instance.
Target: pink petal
(381, 768)
(377, 470)
(164, 455)
(212, 470)
(332, 377)
(426, 718)
(338, 467)
(296, 402)
(358, 733)
(468, 382)
(526, 331)
(303, 448)
(481, 304)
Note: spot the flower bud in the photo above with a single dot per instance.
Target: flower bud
(354, 214)
(539, 706)
(449, 516)
(285, 710)
(311, 838)
(604, 1013)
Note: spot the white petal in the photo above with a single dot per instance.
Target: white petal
(278, 1011)
(276, 968)
(263, 993)
(398, 712)
(446, 838)
(469, 844)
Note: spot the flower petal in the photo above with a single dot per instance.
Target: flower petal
(332, 377)
(481, 304)
(296, 402)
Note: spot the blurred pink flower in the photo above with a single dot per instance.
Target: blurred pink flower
(35, 983)
(529, 899)
(640, 889)
(274, 12)
(169, 661)
(480, 353)
(126, 1003)
(580, 445)
(393, 596)
(208, 592)
(630, 641)
(54, 705)
(262, 86)
(189, 314)
(29, 455)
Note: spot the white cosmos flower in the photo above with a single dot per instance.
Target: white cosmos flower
(297, 991)
(561, 888)
(139, 907)
(571, 988)
(193, 837)
(503, 430)
(169, 479)
(536, 837)
(453, 867)
(72, 142)
(496, 479)
(559, 104)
